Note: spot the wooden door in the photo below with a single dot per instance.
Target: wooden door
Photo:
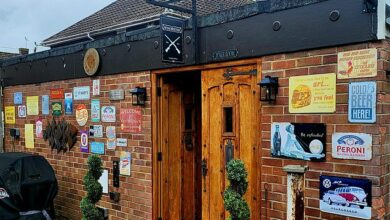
(179, 147)
(229, 126)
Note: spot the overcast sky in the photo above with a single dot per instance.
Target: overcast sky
(39, 19)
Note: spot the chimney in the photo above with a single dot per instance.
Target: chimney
(23, 51)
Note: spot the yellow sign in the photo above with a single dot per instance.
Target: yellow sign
(29, 135)
(32, 105)
(357, 64)
(312, 94)
(10, 114)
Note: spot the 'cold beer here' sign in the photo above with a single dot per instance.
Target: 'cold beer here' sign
(362, 102)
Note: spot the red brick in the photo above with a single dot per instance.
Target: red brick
(309, 61)
(284, 64)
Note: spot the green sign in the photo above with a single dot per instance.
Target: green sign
(56, 108)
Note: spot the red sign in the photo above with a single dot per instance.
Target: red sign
(131, 120)
(56, 93)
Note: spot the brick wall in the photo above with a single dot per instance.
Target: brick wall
(70, 167)
(274, 179)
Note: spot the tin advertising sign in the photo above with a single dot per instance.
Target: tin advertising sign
(32, 105)
(10, 114)
(357, 64)
(362, 102)
(22, 111)
(84, 141)
(346, 196)
(68, 104)
(97, 147)
(56, 93)
(131, 120)
(18, 98)
(117, 94)
(39, 128)
(45, 105)
(312, 93)
(125, 163)
(111, 137)
(298, 141)
(81, 93)
(96, 87)
(356, 146)
(121, 142)
(56, 108)
(108, 114)
(81, 114)
(96, 131)
(95, 110)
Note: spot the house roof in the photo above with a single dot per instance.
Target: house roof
(125, 13)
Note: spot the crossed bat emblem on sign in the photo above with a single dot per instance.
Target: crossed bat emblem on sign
(172, 43)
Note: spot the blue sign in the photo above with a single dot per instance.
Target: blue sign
(68, 104)
(97, 147)
(45, 105)
(18, 98)
(362, 102)
(346, 196)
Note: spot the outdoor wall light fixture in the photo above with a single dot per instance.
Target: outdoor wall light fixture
(138, 95)
(268, 89)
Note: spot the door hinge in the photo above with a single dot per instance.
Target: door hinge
(158, 91)
(159, 156)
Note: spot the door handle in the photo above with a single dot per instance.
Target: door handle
(204, 173)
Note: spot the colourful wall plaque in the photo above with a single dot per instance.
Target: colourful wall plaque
(56, 108)
(68, 104)
(95, 110)
(32, 105)
(108, 114)
(357, 64)
(10, 114)
(362, 102)
(97, 147)
(81, 114)
(56, 93)
(131, 120)
(45, 105)
(81, 93)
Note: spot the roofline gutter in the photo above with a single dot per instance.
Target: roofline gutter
(100, 31)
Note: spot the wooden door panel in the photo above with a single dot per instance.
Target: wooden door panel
(239, 94)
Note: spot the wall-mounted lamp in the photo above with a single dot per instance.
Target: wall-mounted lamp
(138, 95)
(269, 89)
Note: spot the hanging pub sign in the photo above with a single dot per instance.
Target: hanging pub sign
(95, 110)
(108, 114)
(356, 146)
(81, 93)
(357, 64)
(18, 98)
(97, 147)
(56, 108)
(362, 102)
(172, 32)
(22, 111)
(45, 105)
(346, 196)
(56, 93)
(84, 141)
(68, 104)
(131, 120)
(96, 131)
(298, 141)
(81, 114)
(312, 93)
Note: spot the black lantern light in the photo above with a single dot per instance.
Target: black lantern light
(269, 89)
(138, 95)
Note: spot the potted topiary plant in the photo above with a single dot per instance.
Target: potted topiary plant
(233, 195)
(94, 189)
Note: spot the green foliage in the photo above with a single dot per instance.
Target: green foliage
(94, 189)
(233, 195)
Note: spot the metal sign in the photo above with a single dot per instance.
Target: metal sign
(68, 104)
(357, 64)
(362, 102)
(131, 120)
(18, 98)
(298, 141)
(355, 146)
(56, 108)
(45, 105)
(111, 137)
(108, 114)
(84, 141)
(22, 111)
(346, 196)
(96, 131)
(81, 114)
(91, 61)
(172, 33)
(39, 128)
(81, 93)
(96, 87)
(121, 142)
(118, 94)
(56, 93)
(97, 147)
(95, 110)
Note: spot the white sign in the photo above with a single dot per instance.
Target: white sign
(108, 114)
(121, 142)
(81, 93)
(356, 146)
(362, 102)
(96, 87)
(96, 131)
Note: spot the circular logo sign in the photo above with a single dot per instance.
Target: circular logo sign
(3, 193)
(316, 146)
(91, 61)
(81, 114)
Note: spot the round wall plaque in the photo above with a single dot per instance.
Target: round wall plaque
(91, 61)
